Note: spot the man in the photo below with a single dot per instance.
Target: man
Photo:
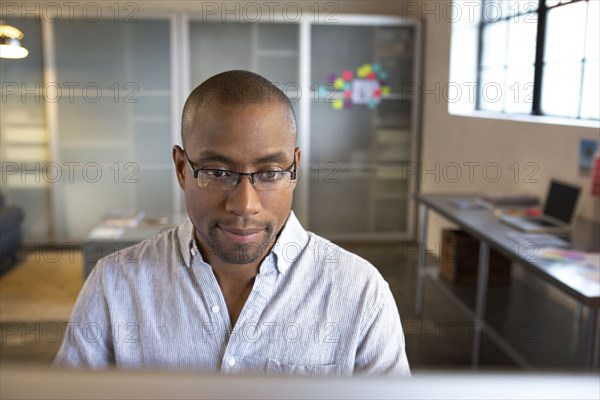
(240, 287)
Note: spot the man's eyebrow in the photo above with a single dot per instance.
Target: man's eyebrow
(209, 156)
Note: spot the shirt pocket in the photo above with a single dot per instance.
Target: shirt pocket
(275, 367)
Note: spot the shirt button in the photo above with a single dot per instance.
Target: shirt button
(231, 362)
(215, 309)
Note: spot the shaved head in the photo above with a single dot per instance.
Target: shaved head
(231, 88)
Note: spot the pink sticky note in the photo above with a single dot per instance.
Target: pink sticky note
(347, 75)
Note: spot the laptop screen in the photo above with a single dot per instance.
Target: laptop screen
(561, 201)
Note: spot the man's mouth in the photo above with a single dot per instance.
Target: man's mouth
(241, 235)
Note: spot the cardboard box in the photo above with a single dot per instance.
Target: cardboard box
(459, 260)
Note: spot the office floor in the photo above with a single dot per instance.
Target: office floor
(37, 296)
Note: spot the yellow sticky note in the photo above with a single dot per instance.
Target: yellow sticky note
(338, 84)
(364, 70)
(385, 90)
(337, 104)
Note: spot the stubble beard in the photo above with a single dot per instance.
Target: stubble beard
(238, 253)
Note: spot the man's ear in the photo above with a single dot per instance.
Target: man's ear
(297, 158)
(179, 161)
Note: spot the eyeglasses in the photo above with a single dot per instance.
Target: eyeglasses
(221, 179)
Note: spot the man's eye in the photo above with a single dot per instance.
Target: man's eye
(270, 175)
(218, 173)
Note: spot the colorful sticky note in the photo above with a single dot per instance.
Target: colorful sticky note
(337, 104)
(372, 104)
(331, 77)
(347, 103)
(347, 94)
(363, 70)
(347, 75)
(376, 67)
(338, 84)
(385, 90)
(371, 75)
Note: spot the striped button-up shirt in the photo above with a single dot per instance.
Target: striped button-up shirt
(314, 309)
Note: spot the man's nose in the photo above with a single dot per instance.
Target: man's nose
(243, 199)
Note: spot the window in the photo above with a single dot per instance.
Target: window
(539, 57)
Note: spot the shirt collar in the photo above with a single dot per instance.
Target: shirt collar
(289, 245)
(292, 239)
(185, 233)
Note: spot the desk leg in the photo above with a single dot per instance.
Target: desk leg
(591, 360)
(482, 282)
(576, 331)
(422, 260)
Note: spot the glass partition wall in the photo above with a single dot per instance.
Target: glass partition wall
(111, 94)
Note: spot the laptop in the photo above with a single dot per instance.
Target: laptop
(557, 214)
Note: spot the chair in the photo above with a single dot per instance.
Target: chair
(11, 242)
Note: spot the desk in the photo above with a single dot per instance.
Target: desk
(484, 225)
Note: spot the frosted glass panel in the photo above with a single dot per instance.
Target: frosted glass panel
(121, 128)
(102, 121)
(278, 37)
(152, 142)
(390, 215)
(151, 106)
(85, 202)
(349, 215)
(89, 52)
(328, 56)
(215, 48)
(521, 41)
(363, 148)
(22, 110)
(565, 33)
(280, 70)
(561, 89)
(494, 50)
(340, 135)
(399, 73)
(392, 113)
(154, 191)
(108, 156)
(150, 69)
(590, 102)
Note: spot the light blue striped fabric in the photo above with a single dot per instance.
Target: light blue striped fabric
(314, 309)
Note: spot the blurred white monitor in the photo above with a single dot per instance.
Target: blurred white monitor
(23, 383)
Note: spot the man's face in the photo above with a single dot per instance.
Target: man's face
(239, 225)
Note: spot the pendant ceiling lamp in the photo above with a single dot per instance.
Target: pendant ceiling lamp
(10, 42)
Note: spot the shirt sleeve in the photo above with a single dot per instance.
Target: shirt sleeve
(382, 349)
(88, 338)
